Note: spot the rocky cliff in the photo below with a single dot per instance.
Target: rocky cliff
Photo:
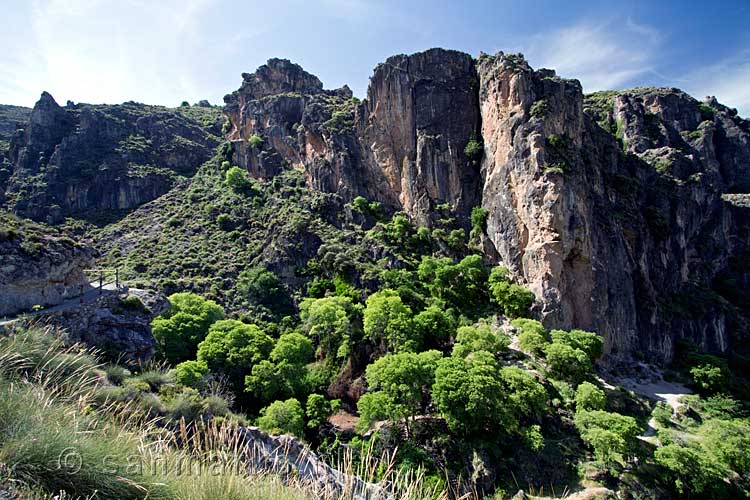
(622, 211)
(85, 158)
(38, 265)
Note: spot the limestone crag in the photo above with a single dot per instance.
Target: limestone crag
(83, 158)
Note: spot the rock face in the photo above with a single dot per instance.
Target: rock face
(120, 328)
(38, 266)
(624, 211)
(84, 158)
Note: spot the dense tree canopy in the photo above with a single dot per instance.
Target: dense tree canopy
(179, 330)
(388, 322)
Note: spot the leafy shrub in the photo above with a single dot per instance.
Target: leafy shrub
(255, 141)
(133, 302)
(567, 363)
(388, 321)
(588, 342)
(590, 397)
(709, 378)
(237, 179)
(662, 414)
(479, 219)
(539, 109)
(532, 337)
(706, 111)
(689, 470)
(610, 434)
(474, 150)
(318, 409)
(190, 373)
(479, 338)
(514, 299)
(283, 417)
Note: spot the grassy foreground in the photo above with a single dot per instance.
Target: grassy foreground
(57, 442)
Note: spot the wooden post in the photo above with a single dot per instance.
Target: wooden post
(101, 282)
(117, 277)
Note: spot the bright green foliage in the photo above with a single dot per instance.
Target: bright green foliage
(729, 442)
(318, 409)
(260, 286)
(479, 219)
(360, 205)
(434, 326)
(468, 393)
(255, 141)
(461, 284)
(293, 348)
(237, 179)
(567, 363)
(533, 437)
(590, 397)
(474, 150)
(689, 470)
(283, 417)
(709, 378)
(373, 406)
(328, 322)
(190, 373)
(662, 413)
(525, 395)
(388, 322)
(179, 330)
(232, 347)
(588, 342)
(532, 336)
(514, 299)
(610, 434)
(479, 338)
(404, 379)
(399, 228)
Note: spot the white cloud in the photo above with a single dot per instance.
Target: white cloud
(728, 80)
(602, 56)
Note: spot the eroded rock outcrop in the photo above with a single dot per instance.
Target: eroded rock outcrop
(82, 158)
(116, 323)
(38, 266)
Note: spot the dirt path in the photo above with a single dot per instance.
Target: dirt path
(661, 390)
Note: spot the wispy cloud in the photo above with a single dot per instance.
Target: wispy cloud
(602, 56)
(728, 80)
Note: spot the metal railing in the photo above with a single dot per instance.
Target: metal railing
(105, 273)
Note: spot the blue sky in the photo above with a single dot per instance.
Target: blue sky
(167, 51)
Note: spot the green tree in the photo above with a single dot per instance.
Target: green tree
(283, 417)
(468, 393)
(190, 373)
(479, 220)
(690, 471)
(318, 409)
(461, 284)
(328, 321)
(709, 379)
(514, 299)
(524, 395)
(474, 150)
(532, 336)
(233, 348)
(588, 342)
(260, 286)
(479, 338)
(405, 380)
(567, 363)
(434, 326)
(729, 442)
(237, 179)
(181, 328)
(610, 434)
(590, 397)
(294, 348)
(388, 322)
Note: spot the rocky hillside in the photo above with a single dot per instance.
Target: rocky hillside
(82, 159)
(624, 212)
(618, 209)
